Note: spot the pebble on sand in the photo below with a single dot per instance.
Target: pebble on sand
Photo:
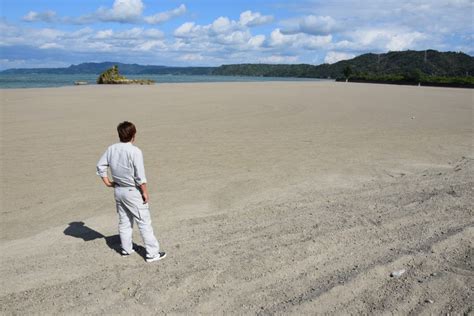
(397, 273)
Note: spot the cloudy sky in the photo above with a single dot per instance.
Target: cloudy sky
(56, 33)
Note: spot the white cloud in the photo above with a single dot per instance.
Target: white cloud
(234, 38)
(126, 9)
(457, 3)
(256, 41)
(278, 59)
(153, 33)
(188, 29)
(50, 46)
(222, 25)
(47, 33)
(32, 16)
(344, 45)
(13, 35)
(104, 34)
(79, 33)
(333, 57)
(311, 24)
(135, 33)
(222, 34)
(222, 39)
(314, 42)
(85, 40)
(138, 32)
(150, 45)
(424, 16)
(191, 57)
(123, 11)
(249, 18)
(301, 40)
(381, 39)
(277, 38)
(404, 41)
(165, 16)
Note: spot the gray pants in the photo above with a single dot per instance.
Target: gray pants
(130, 208)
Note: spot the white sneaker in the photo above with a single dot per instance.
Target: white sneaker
(126, 254)
(158, 257)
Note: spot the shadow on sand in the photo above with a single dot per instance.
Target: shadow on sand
(80, 230)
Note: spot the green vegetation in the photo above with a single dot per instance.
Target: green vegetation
(430, 63)
(347, 72)
(268, 70)
(408, 67)
(112, 76)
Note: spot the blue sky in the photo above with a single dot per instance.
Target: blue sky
(58, 33)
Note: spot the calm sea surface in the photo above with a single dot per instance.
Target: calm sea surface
(47, 80)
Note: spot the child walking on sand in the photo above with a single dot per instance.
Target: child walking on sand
(131, 195)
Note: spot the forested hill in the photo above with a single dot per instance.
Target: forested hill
(430, 62)
(127, 69)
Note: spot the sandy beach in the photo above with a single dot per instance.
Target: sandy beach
(268, 197)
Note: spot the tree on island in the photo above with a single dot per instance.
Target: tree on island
(347, 72)
(415, 75)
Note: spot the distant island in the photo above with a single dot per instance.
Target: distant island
(428, 67)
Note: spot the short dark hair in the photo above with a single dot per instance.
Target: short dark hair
(126, 131)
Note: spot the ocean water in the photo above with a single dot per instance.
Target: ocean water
(11, 81)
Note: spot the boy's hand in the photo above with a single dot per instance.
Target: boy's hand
(108, 183)
(145, 197)
(144, 191)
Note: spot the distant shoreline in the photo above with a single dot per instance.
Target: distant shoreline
(35, 81)
(25, 81)
(410, 83)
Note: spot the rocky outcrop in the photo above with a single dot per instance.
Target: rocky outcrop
(112, 76)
